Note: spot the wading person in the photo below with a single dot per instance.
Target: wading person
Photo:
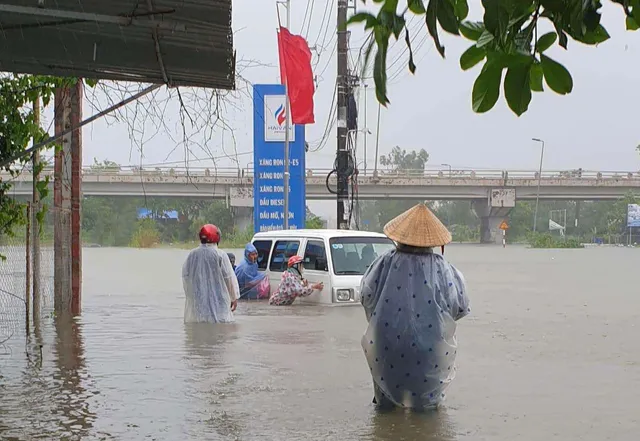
(210, 285)
(292, 285)
(253, 284)
(412, 298)
(232, 259)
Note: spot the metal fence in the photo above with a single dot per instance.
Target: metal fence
(26, 277)
(431, 173)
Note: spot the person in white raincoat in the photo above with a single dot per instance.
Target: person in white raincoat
(210, 285)
(412, 299)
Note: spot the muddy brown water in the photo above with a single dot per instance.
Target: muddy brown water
(550, 352)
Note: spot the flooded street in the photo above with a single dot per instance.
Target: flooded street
(551, 351)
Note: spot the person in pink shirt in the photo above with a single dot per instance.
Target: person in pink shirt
(292, 285)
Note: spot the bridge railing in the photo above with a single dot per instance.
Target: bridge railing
(453, 174)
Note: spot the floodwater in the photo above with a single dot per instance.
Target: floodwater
(550, 352)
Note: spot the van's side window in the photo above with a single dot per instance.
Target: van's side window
(315, 256)
(264, 251)
(281, 253)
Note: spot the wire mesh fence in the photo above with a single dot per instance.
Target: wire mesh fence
(26, 276)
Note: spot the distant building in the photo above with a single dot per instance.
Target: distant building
(145, 213)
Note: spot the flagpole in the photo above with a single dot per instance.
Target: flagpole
(286, 134)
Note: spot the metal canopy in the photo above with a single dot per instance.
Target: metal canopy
(175, 42)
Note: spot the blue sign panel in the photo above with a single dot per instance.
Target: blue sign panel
(633, 216)
(268, 162)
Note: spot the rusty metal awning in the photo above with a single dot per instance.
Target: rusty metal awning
(176, 42)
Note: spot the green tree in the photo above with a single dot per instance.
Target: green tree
(18, 128)
(399, 160)
(314, 223)
(506, 40)
(105, 164)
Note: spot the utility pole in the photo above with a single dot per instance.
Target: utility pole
(287, 126)
(535, 215)
(35, 224)
(342, 155)
(366, 127)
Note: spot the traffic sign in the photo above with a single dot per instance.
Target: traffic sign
(503, 226)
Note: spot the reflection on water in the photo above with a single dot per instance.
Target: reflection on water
(72, 380)
(401, 425)
(50, 397)
(205, 346)
(553, 357)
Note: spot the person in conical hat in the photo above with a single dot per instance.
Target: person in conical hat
(412, 298)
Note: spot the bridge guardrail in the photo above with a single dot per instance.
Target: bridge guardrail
(381, 174)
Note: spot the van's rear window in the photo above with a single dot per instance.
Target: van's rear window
(353, 255)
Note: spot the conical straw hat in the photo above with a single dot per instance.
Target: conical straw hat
(418, 227)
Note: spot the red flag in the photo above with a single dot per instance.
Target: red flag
(297, 75)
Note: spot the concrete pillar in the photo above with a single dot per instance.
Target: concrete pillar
(490, 220)
(67, 194)
(243, 217)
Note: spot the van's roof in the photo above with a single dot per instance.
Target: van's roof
(325, 234)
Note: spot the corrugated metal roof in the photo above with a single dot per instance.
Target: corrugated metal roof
(116, 40)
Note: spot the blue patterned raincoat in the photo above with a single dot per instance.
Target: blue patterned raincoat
(412, 302)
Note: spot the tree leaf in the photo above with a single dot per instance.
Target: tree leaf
(461, 8)
(535, 78)
(495, 16)
(472, 56)
(432, 27)
(597, 36)
(417, 7)
(631, 24)
(407, 40)
(447, 17)
(486, 89)
(556, 76)
(472, 30)
(546, 41)
(517, 88)
(367, 57)
(485, 39)
(362, 17)
(562, 35)
(380, 68)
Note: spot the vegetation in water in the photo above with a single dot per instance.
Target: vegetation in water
(547, 240)
(146, 235)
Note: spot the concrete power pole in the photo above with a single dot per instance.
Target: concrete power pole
(343, 84)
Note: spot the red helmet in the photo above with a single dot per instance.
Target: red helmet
(210, 234)
(294, 260)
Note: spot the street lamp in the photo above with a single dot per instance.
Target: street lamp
(535, 215)
(447, 165)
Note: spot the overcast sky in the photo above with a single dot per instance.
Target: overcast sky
(596, 127)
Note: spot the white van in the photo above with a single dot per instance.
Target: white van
(341, 269)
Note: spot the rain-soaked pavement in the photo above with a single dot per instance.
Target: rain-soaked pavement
(550, 352)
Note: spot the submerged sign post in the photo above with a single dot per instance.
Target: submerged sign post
(633, 216)
(269, 129)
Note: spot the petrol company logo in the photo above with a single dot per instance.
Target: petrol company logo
(275, 117)
(280, 115)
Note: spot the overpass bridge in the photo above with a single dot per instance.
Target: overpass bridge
(493, 192)
(237, 184)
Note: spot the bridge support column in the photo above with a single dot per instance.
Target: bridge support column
(490, 220)
(243, 217)
(67, 194)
